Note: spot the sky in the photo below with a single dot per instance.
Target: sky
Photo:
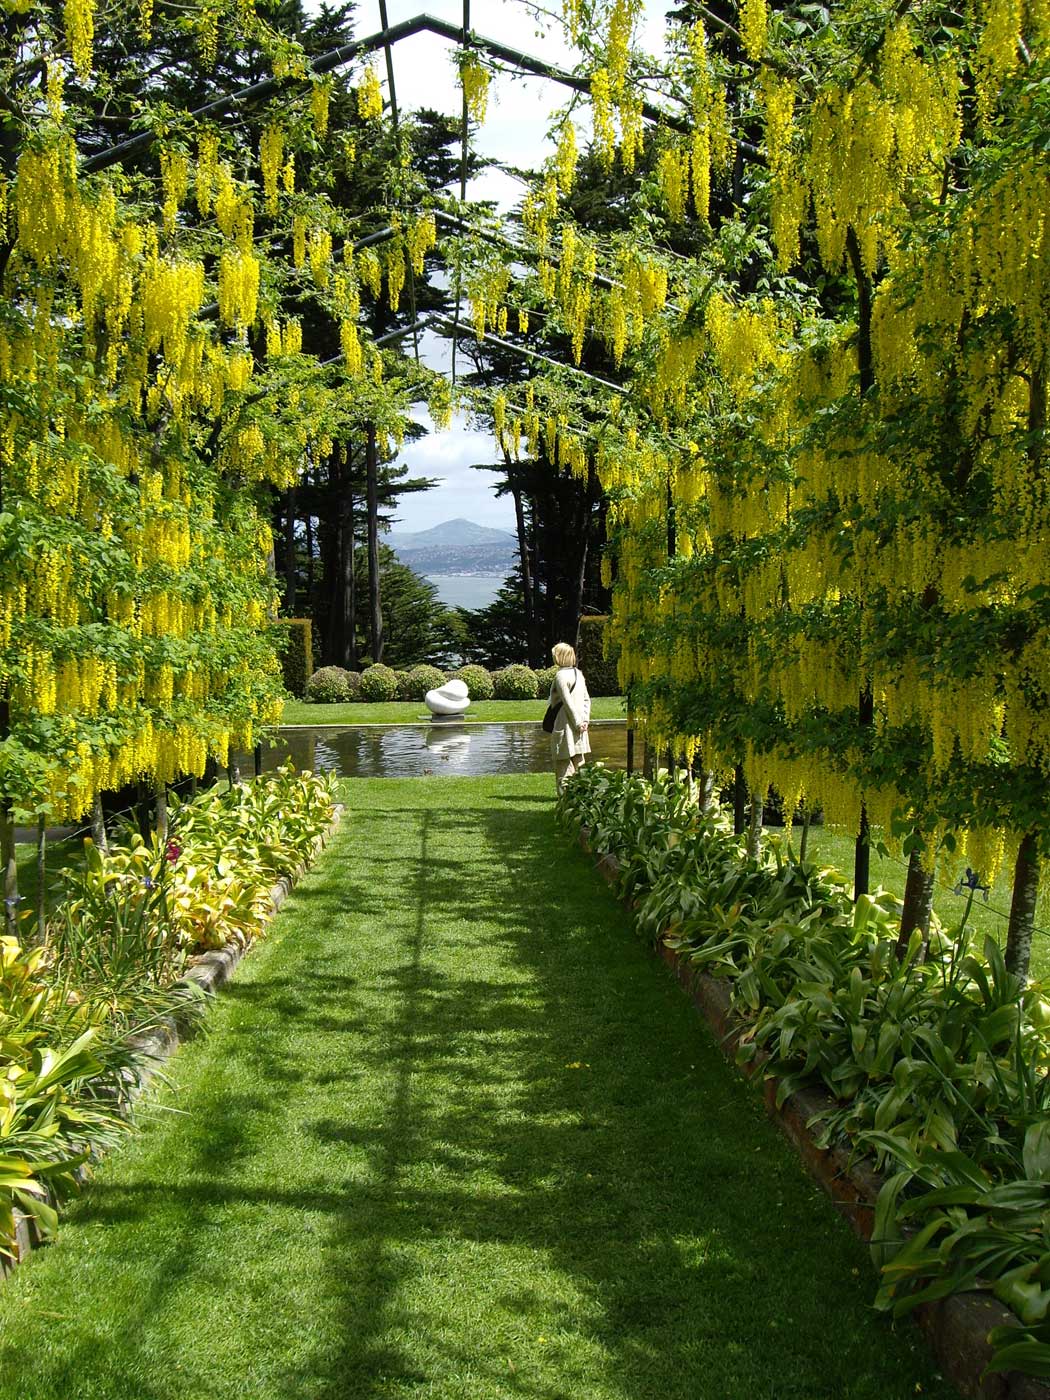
(520, 110)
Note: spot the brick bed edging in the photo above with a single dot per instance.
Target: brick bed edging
(956, 1328)
(210, 971)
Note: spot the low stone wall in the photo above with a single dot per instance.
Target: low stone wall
(956, 1328)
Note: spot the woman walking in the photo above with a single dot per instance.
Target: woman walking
(569, 741)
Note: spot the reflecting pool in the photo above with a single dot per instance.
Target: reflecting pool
(415, 750)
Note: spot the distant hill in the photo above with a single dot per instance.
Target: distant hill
(456, 547)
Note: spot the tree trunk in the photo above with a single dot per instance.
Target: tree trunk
(310, 559)
(326, 609)
(1022, 907)
(374, 602)
(10, 868)
(705, 790)
(160, 813)
(41, 880)
(289, 553)
(528, 594)
(918, 903)
(739, 801)
(581, 573)
(865, 359)
(98, 824)
(351, 589)
(862, 851)
(347, 583)
(754, 827)
(804, 842)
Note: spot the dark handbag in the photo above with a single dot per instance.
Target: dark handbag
(551, 713)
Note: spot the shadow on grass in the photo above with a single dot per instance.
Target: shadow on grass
(519, 1166)
(574, 1108)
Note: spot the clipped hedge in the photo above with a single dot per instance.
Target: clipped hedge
(544, 681)
(297, 654)
(599, 669)
(477, 680)
(378, 683)
(329, 686)
(515, 683)
(418, 681)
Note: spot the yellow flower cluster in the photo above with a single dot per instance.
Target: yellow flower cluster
(370, 95)
(474, 78)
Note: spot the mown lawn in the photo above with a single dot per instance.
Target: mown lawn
(406, 711)
(454, 1135)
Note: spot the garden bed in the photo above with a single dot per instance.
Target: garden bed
(956, 1327)
(131, 920)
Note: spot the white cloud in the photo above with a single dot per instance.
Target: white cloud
(450, 456)
(520, 110)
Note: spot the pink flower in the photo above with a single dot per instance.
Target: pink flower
(172, 852)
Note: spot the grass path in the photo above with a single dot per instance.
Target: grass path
(453, 1134)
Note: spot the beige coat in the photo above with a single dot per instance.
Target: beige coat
(566, 740)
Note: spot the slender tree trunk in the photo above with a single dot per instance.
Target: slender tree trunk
(804, 842)
(527, 591)
(580, 582)
(374, 601)
(862, 852)
(98, 824)
(10, 868)
(310, 558)
(918, 902)
(350, 576)
(289, 553)
(1022, 907)
(754, 827)
(350, 583)
(866, 375)
(865, 359)
(647, 761)
(739, 801)
(160, 812)
(41, 880)
(630, 741)
(705, 790)
(326, 608)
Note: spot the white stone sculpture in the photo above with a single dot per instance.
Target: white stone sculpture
(452, 698)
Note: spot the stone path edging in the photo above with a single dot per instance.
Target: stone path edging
(210, 971)
(957, 1327)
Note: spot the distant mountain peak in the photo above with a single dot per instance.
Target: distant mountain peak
(449, 534)
(456, 547)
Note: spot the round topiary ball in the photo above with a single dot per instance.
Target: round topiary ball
(544, 681)
(378, 683)
(402, 685)
(421, 679)
(329, 686)
(353, 680)
(515, 683)
(477, 680)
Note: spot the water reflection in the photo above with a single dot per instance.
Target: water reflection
(406, 751)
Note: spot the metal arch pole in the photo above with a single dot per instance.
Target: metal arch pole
(337, 58)
(464, 136)
(389, 51)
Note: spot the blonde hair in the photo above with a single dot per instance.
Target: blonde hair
(563, 654)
